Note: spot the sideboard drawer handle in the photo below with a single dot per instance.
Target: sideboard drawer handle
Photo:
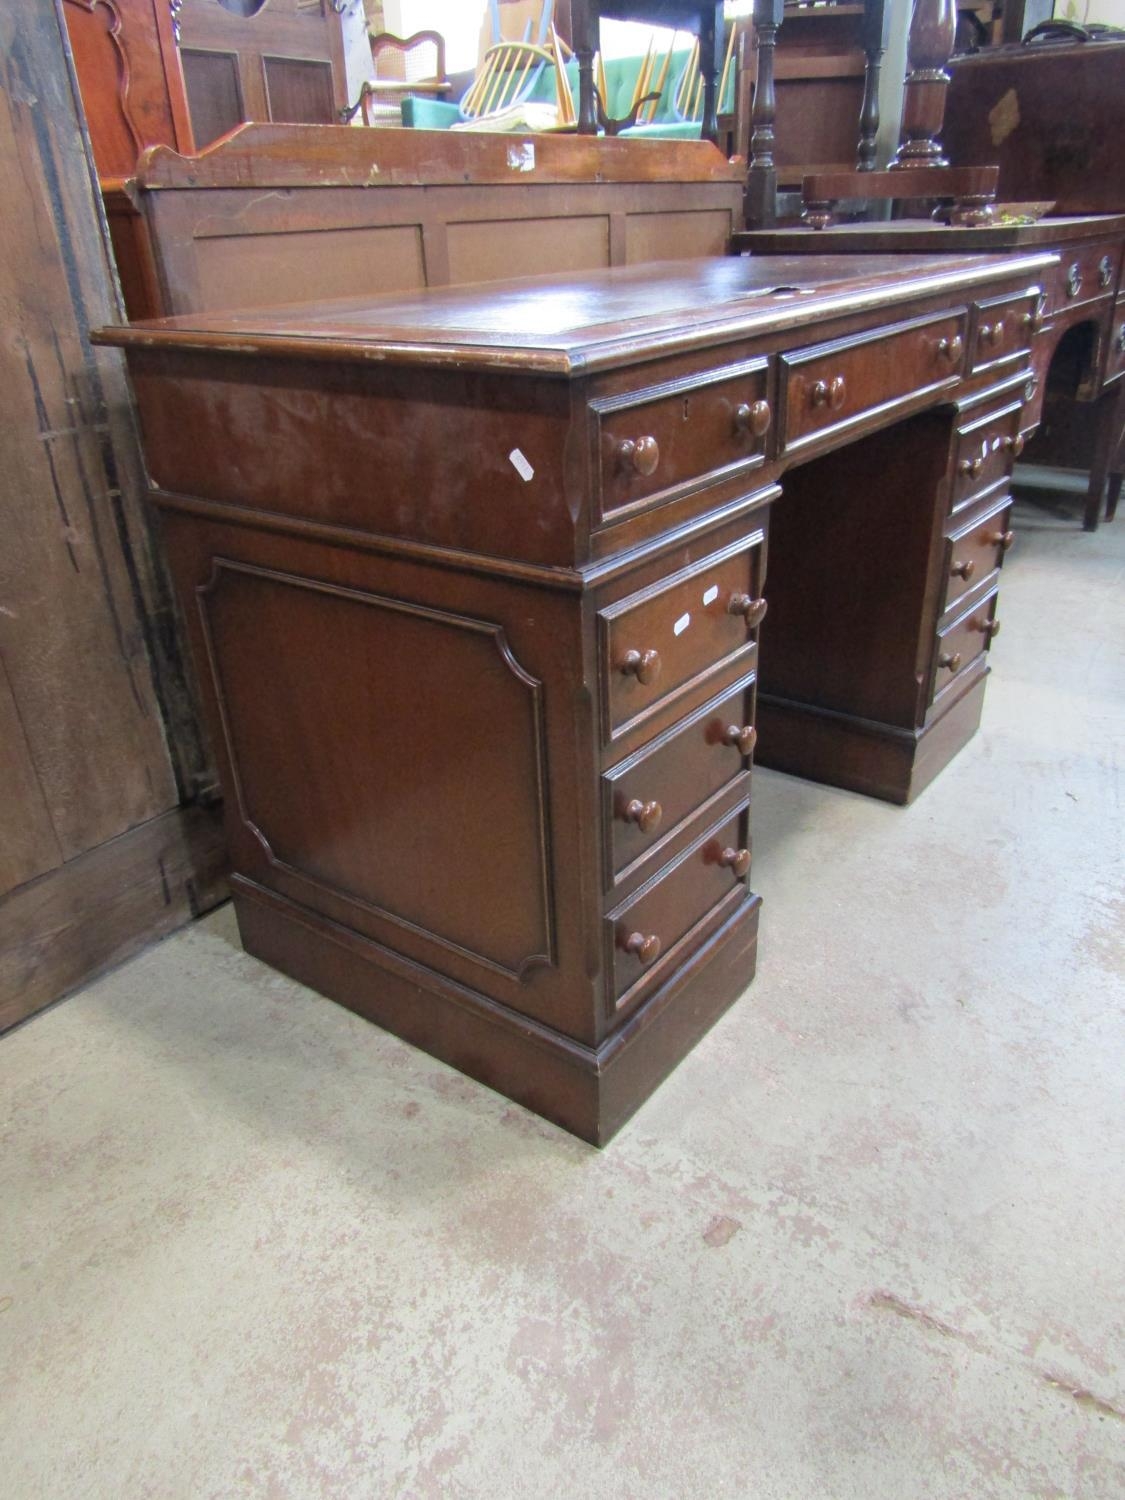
(1105, 272)
(964, 569)
(1073, 279)
(1121, 339)
(753, 417)
(1001, 539)
(643, 665)
(752, 610)
(830, 393)
(646, 815)
(641, 455)
(990, 629)
(742, 736)
(951, 348)
(643, 946)
(737, 861)
(953, 662)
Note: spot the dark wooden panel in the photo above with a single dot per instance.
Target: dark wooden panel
(214, 93)
(352, 721)
(857, 539)
(299, 92)
(28, 845)
(64, 929)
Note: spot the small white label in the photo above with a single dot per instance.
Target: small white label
(521, 465)
(521, 156)
(711, 595)
(681, 625)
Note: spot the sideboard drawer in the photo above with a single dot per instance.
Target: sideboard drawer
(961, 642)
(642, 932)
(985, 450)
(836, 385)
(647, 796)
(1004, 329)
(654, 440)
(1083, 275)
(976, 550)
(680, 630)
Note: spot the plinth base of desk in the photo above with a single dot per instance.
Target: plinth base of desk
(876, 759)
(589, 1091)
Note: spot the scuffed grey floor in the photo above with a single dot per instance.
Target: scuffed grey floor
(868, 1241)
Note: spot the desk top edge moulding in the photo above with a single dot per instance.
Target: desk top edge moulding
(474, 580)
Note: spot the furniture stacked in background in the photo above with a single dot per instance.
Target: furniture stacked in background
(401, 68)
(475, 577)
(282, 60)
(1006, 106)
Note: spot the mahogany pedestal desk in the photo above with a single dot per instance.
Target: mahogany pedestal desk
(474, 578)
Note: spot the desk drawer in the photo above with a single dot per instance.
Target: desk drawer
(654, 441)
(1004, 329)
(836, 385)
(1083, 275)
(650, 794)
(642, 933)
(985, 450)
(680, 630)
(974, 551)
(1115, 358)
(961, 642)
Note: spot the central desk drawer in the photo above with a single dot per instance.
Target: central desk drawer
(642, 933)
(648, 796)
(680, 631)
(837, 385)
(654, 441)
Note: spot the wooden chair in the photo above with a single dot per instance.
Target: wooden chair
(401, 67)
(506, 76)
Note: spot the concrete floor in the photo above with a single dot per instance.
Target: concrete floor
(866, 1242)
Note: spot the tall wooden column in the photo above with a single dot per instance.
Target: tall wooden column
(761, 177)
(933, 26)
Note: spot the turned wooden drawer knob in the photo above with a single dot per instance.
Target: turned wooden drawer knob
(643, 665)
(742, 736)
(646, 815)
(1105, 272)
(737, 861)
(830, 393)
(753, 417)
(1073, 280)
(643, 946)
(1001, 539)
(990, 629)
(1015, 444)
(952, 348)
(639, 455)
(753, 611)
(952, 660)
(1033, 321)
(992, 334)
(971, 466)
(964, 569)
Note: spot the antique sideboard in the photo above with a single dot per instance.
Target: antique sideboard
(1079, 355)
(475, 579)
